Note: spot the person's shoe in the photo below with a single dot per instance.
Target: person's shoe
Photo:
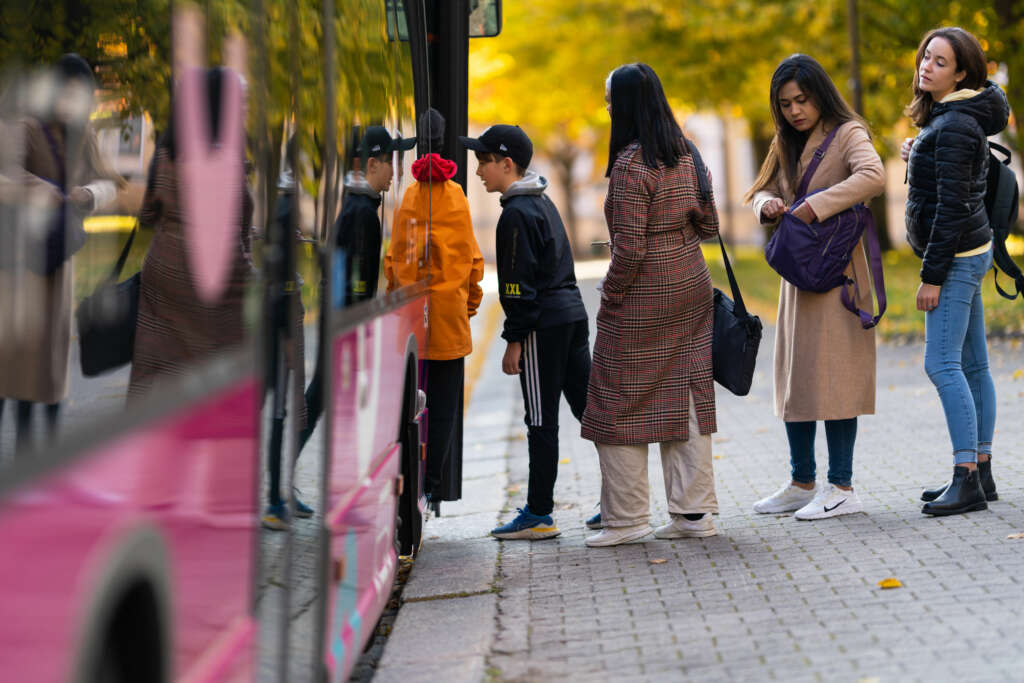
(301, 509)
(786, 499)
(988, 484)
(595, 522)
(830, 501)
(527, 526)
(617, 535)
(681, 527)
(275, 517)
(963, 494)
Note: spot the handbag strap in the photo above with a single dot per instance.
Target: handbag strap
(819, 154)
(704, 190)
(867, 320)
(115, 273)
(739, 308)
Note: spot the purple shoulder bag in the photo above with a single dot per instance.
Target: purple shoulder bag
(814, 256)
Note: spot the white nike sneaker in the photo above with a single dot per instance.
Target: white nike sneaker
(831, 501)
(617, 535)
(786, 499)
(681, 527)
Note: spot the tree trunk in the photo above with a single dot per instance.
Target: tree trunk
(564, 159)
(761, 141)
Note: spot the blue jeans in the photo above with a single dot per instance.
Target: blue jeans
(956, 358)
(840, 435)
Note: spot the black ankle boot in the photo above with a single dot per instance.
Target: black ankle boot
(988, 484)
(963, 494)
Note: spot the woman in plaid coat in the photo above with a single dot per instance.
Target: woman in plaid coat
(651, 380)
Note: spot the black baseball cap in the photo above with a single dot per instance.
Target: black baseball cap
(509, 141)
(377, 140)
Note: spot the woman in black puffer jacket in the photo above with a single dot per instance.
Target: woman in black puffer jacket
(956, 108)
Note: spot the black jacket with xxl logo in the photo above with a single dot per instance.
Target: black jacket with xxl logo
(536, 277)
(947, 173)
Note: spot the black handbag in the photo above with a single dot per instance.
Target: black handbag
(106, 319)
(737, 337)
(737, 334)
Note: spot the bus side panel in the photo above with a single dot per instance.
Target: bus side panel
(189, 478)
(368, 390)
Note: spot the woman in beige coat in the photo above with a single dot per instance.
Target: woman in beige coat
(824, 359)
(52, 175)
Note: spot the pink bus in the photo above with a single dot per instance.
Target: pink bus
(132, 547)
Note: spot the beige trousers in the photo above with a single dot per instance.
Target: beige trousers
(689, 478)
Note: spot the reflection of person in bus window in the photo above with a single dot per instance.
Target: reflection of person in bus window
(357, 229)
(175, 328)
(58, 179)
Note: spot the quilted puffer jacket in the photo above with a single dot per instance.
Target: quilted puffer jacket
(947, 173)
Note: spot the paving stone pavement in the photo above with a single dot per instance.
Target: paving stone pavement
(769, 598)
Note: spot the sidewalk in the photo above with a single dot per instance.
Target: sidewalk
(769, 598)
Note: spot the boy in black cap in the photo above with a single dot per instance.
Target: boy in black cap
(545, 321)
(357, 230)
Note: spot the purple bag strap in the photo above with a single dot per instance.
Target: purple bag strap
(819, 154)
(867, 320)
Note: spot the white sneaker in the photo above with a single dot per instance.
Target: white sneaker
(681, 527)
(786, 499)
(616, 535)
(831, 501)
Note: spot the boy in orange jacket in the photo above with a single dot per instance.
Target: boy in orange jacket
(433, 236)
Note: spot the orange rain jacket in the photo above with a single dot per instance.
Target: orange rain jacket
(455, 266)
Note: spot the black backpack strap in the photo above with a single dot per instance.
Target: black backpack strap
(115, 273)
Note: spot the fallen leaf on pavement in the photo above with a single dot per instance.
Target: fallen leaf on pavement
(717, 457)
(564, 461)
(890, 583)
(1018, 373)
(658, 560)
(1015, 537)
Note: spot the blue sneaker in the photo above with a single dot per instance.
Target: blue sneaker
(301, 509)
(595, 522)
(527, 525)
(275, 517)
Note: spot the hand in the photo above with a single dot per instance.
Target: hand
(773, 208)
(905, 148)
(805, 213)
(928, 296)
(510, 363)
(81, 199)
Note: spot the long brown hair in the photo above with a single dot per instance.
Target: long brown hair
(788, 143)
(970, 58)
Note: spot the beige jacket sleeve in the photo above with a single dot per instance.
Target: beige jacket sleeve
(763, 196)
(866, 179)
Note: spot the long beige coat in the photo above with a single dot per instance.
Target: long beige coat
(824, 359)
(35, 309)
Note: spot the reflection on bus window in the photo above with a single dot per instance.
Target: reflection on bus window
(52, 177)
(176, 327)
(358, 231)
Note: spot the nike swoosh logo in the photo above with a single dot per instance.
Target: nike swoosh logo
(830, 509)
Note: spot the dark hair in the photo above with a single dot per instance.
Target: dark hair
(970, 58)
(72, 66)
(640, 112)
(788, 144)
(430, 132)
(497, 158)
(214, 79)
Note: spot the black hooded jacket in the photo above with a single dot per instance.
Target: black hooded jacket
(536, 274)
(947, 173)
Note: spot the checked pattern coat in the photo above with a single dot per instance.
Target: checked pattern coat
(654, 325)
